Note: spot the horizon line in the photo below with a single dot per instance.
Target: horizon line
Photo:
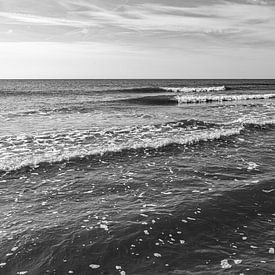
(137, 78)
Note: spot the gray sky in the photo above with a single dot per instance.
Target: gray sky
(137, 39)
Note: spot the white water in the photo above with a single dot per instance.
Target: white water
(220, 98)
(194, 89)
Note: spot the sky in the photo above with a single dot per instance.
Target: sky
(137, 39)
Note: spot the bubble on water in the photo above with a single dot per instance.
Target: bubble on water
(104, 226)
(271, 250)
(225, 264)
(237, 261)
(166, 193)
(252, 165)
(94, 266)
(268, 191)
(143, 215)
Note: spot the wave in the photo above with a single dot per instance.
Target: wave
(91, 106)
(153, 100)
(161, 99)
(184, 99)
(82, 145)
(201, 99)
(140, 89)
(137, 90)
(254, 122)
(125, 147)
(88, 134)
(195, 89)
(85, 91)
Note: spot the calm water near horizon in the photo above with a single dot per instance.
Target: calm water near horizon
(137, 177)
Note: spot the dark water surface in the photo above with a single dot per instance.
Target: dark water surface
(137, 177)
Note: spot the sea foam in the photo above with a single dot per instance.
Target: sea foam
(194, 89)
(220, 98)
(155, 142)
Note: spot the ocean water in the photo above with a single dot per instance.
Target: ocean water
(137, 177)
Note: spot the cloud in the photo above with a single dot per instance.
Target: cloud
(137, 38)
(42, 20)
(255, 2)
(141, 22)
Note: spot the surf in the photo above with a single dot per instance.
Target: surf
(138, 140)
(195, 89)
(221, 98)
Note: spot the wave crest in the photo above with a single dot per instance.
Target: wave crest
(46, 149)
(195, 89)
(184, 99)
(34, 161)
(204, 99)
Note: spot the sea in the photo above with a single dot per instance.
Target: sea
(137, 177)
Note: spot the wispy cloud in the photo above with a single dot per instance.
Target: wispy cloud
(121, 20)
(137, 38)
(43, 20)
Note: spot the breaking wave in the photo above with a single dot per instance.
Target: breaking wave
(125, 142)
(132, 90)
(184, 99)
(35, 161)
(221, 98)
(195, 89)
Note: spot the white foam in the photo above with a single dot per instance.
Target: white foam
(225, 264)
(154, 142)
(219, 98)
(94, 266)
(261, 121)
(194, 89)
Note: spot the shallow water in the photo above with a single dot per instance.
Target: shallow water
(137, 176)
